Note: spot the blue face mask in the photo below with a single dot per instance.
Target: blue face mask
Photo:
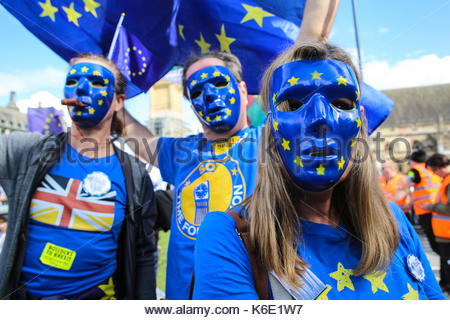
(93, 85)
(315, 118)
(214, 93)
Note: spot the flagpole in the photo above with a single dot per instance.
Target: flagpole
(116, 34)
(357, 40)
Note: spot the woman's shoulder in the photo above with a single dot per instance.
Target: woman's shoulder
(217, 222)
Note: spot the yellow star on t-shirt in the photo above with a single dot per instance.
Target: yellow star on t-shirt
(342, 276)
(48, 10)
(204, 46)
(218, 118)
(293, 80)
(180, 31)
(298, 162)
(255, 13)
(411, 295)
(72, 14)
(275, 125)
(342, 80)
(228, 111)
(285, 144)
(358, 122)
(84, 69)
(216, 74)
(377, 281)
(225, 41)
(90, 6)
(232, 100)
(91, 110)
(204, 75)
(316, 75)
(234, 171)
(341, 163)
(320, 170)
(108, 289)
(324, 294)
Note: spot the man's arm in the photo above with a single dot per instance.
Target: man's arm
(318, 18)
(441, 208)
(139, 138)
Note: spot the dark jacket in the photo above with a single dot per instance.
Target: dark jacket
(25, 159)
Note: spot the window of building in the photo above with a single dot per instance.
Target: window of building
(158, 128)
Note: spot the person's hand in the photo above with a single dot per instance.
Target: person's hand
(426, 207)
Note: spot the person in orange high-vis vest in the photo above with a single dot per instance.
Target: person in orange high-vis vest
(426, 186)
(395, 182)
(440, 220)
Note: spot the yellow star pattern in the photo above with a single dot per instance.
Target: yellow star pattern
(108, 289)
(234, 171)
(96, 73)
(232, 91)
(46, 126)
(84, 69)
(48, 10)
(208, 119)
(324, 294)
(232, 100)
(357, 95)
(90, 6)
(285, 144)
(358, 122)
(216, 74)
(204, 75)
(105, 81)
(218, 118)
(293, 80)
(228, 78)
(275, 125)
(411, 295)
(342, 276)
(353, 143)
(180, 31)
(274, 98)
(255, 13)
(225, 41)
(91, 110)
(342, 80)
(200, 114)
(72, 14)
(204, 46)
(298, 162)
(193, 82)
(316, 75)
(73, 71)
(377, 281)
(51, 115)
(228, 111)
(104, 93)
(341, 163)
(78, 113)
(100, 102)
(320, 170)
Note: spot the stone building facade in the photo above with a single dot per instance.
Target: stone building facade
(11, 119)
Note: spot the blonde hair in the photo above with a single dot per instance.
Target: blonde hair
(358, 199)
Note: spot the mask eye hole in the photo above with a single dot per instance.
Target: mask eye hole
(196, 94)
(97, 84)
(71, 82)
(289, 105)
(345, 104)
(221, 84)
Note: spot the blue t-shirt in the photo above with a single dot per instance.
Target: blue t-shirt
(223, 270)
(207, 177)
(76, 215)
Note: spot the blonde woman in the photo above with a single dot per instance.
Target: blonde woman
(318, 219)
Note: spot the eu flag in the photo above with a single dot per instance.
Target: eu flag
(45, 120)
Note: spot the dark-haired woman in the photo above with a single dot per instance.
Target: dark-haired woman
(81, 211)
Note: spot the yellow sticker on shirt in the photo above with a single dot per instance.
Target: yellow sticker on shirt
(57, 256)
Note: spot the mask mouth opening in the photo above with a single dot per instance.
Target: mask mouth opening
(77, 103)
(317, 152)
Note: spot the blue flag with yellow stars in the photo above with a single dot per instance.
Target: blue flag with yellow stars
(45, 120)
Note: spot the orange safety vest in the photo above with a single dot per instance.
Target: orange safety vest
(440, 222)
(382, 181)
(426, 190)
(393, 186)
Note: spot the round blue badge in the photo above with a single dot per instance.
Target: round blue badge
(415, 267)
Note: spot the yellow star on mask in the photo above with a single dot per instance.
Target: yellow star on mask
(208, 119)
(227, 78)
(48, 10)
(96, 73)
(232, 100)
(216, 74)
(78, 113)
(200, 114)
(90, 6)
(91, 111)
(285, 144)
(100, 102)
(193, 82)
(72, 71)
(324, 294)
(104, 93)
(342, 80)
(320, 170)
(105, 81)
(72, 14)
(293, 80)
(275, 125)
(228, 111)
(255, 13)
(204, 46)
(71, 109)
(298, 162)
(377, 281)
(225, 41)
(411, 295)
(358, 122)
(180, 31)
(84, 69)
(204, 75)
(357, 95)
(316, 75)
(108, 289)
(353, 143)
(218, 118)
(232, 91)
(341, 163)
(342, 276)
(274, 98)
